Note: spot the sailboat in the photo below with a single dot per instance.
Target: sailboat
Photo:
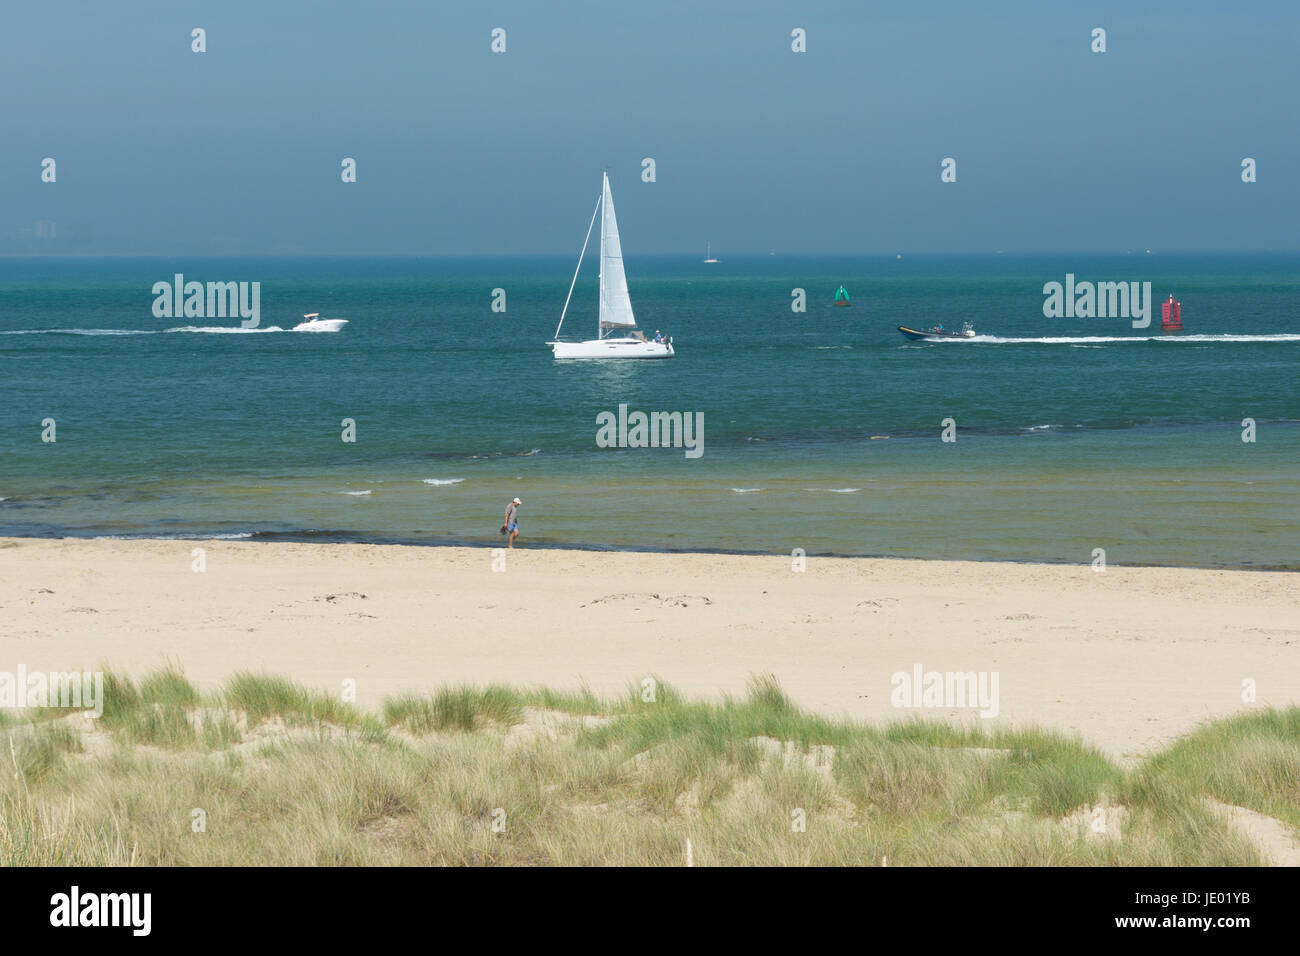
(708, 253)
(615, 304)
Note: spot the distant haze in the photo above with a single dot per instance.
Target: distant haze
(237, 150)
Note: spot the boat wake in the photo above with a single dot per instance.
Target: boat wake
(326, 325)
(1103, 339)
(79, 332)
(222, 330)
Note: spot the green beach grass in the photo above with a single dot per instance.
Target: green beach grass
(266, 772)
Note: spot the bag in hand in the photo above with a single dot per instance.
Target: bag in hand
(503, 529)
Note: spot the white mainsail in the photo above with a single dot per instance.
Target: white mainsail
(615, 303)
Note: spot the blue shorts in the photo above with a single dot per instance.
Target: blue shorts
(513, 527)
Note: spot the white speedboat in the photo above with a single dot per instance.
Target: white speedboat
(615, 303)
(314, 323)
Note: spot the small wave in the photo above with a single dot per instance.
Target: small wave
(442, 481)
(355, 493)
(1039, 428)
(148, 536)
(745, 491)
(838, 491)
(506, 454)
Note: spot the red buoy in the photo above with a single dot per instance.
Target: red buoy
(1171, 313)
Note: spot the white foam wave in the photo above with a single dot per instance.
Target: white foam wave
(355, 493)
(838, 491)
(147, 536)
(745, 491)
(443, 481)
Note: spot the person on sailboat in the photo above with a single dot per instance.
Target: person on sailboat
(659, 337)
(510, 525)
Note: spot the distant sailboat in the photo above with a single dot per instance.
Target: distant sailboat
(615, 303)
(708, 253)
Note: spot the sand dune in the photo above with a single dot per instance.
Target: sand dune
(1130, 657)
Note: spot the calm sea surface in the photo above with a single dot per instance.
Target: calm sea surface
(821, 429)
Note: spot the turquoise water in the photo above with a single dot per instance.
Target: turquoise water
(1072, 434)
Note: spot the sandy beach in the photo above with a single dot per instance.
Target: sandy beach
(1130, 657)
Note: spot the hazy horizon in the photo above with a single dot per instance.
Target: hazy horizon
(460, 151)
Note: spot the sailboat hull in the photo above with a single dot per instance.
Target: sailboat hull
(612, 349)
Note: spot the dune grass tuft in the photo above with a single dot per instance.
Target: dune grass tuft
(455, 708)
(1250, 761)
(261, 697)
(497, 775)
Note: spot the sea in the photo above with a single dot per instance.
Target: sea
(1069, 440)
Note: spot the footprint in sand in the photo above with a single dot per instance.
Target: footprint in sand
(673, 600)
(331, 598)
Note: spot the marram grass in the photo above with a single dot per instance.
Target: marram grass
(265, 771)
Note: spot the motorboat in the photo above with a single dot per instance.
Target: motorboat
(312, 322)
(937, 332)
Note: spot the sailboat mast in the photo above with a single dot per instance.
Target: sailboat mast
(604, 191)
(579, 266)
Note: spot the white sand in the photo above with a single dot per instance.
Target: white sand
(1130, 658)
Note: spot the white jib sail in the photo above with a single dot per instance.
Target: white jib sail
(615, 304)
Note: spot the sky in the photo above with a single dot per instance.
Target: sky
(459, 150)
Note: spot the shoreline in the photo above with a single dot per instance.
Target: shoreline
(1129, 658)
(352, 538)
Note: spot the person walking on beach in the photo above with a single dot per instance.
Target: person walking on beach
(511, 524)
